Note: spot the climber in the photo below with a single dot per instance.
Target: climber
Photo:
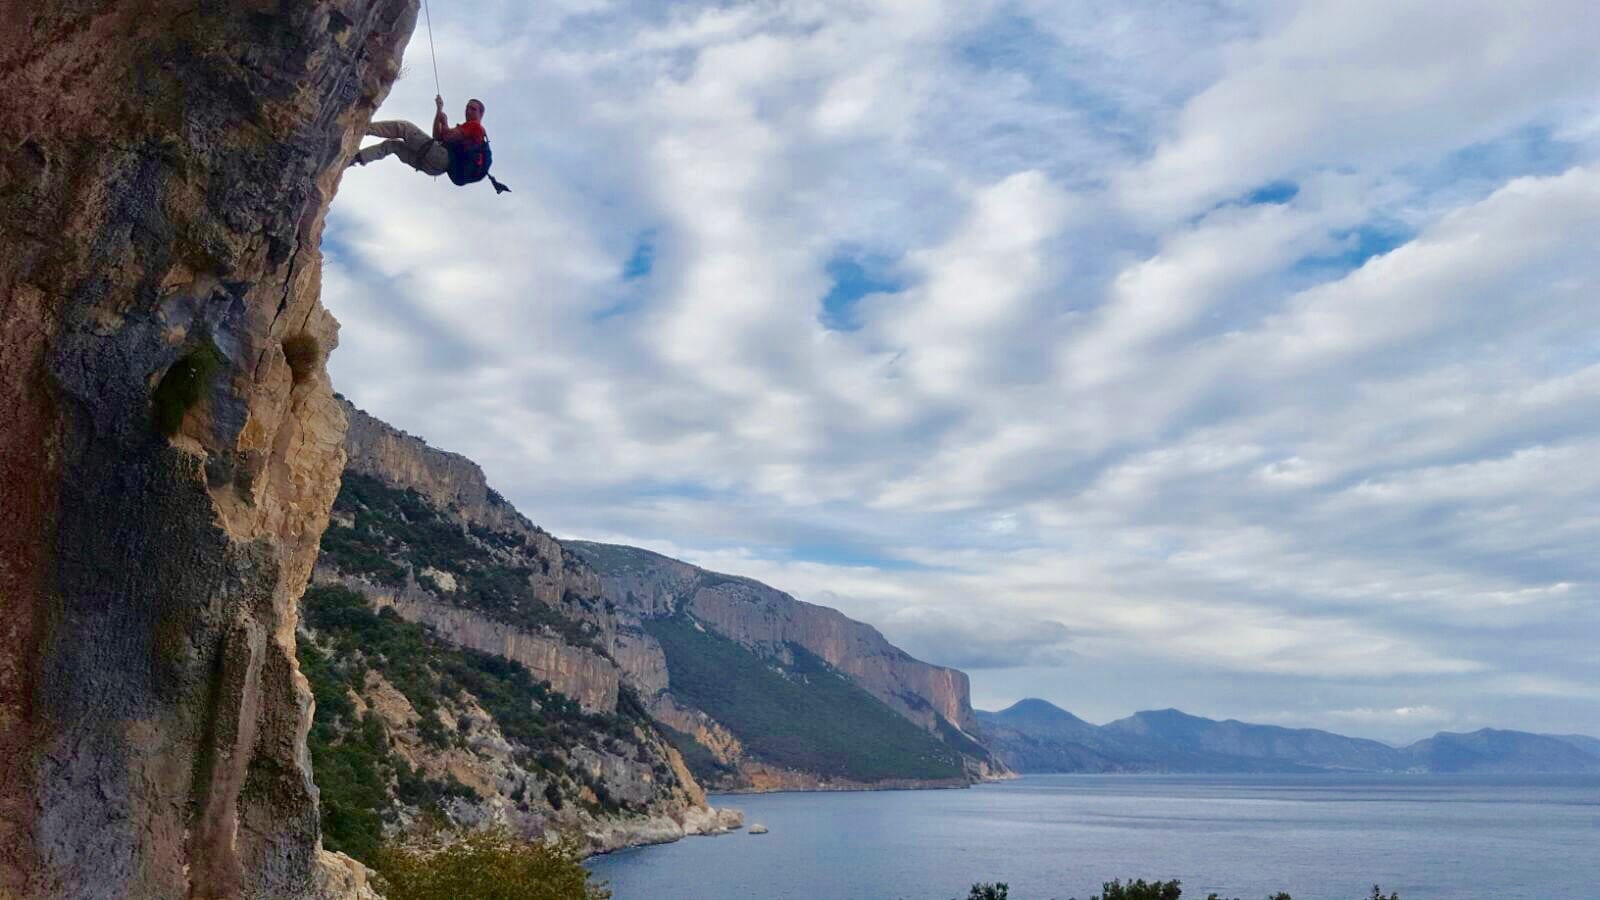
(461, 152)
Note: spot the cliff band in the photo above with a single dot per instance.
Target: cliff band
(171, 446)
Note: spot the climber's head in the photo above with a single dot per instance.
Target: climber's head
(474, 110)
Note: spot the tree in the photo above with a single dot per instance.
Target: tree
(1140, 890)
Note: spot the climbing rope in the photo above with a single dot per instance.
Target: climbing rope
(429, 16)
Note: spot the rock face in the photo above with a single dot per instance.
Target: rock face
(417, 532)
(456, 487)
(450, 732)
(583, 675)
(170, 446)
(642, 586)
(649, 585)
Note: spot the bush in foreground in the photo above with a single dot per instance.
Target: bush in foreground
(1141, 890)
(487, 865)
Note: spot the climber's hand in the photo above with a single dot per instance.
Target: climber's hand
(438, 101)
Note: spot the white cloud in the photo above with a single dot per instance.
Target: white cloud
(1100, 412)
(1371, 83)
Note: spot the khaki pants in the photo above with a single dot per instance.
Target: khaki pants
(413, 145)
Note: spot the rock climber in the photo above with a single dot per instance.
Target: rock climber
(461, 152)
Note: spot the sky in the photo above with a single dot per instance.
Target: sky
(1242, 357)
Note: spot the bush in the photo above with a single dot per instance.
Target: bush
(1140, 890)
(488, 865)
(182, 387)
(303, 354)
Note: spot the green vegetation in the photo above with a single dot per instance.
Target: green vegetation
(398, 531)
(487, 865)
(182, 387)
(810, 717)
(303, 354)
(362, 783)
(1140, 890)
(1154, 890)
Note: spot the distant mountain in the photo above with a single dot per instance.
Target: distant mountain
(1492, 750)
(1581, 741)
(1270, 745)
(1037, 736)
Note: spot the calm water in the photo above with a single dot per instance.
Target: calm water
(1317, 837)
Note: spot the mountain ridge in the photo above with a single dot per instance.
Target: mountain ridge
(1029, 736)
(766, 622)
(419, 533)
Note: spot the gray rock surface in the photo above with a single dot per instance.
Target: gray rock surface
(163, 182)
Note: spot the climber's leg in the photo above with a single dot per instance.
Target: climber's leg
(398, 128)
(379, 151)
(413, 145)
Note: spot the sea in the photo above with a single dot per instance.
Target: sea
(1317, 837)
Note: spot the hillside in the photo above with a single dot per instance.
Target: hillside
(1036, 736)
(410, 727)
(419, 534)
(769, 630)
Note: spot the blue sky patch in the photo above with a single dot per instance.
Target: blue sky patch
(643, 258)
(1275, 192)
(1357, 245)
(853, 278)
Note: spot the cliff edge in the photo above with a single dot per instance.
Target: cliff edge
(171, 445)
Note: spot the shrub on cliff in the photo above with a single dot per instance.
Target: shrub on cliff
(488, 865)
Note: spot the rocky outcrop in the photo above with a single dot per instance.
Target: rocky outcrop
(456, 487)
(171, 445)
(417, 532)
(461, 736)
(583, 675)
(641, 659)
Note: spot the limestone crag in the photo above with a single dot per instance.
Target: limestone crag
(457, 744)
(171, 445)
(457, 487)
(641, 659)
(419, 537)
(583, 675)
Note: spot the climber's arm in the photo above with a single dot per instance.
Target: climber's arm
(441, 125)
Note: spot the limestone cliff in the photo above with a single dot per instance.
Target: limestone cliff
(580, 673)
(456, 486)
(413, 728)
(649, 584)
(170, 445)
(638, 583)
(428, 585)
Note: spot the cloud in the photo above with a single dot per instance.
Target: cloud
(1426, 715)
(1247, 351)
(1368, 84)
